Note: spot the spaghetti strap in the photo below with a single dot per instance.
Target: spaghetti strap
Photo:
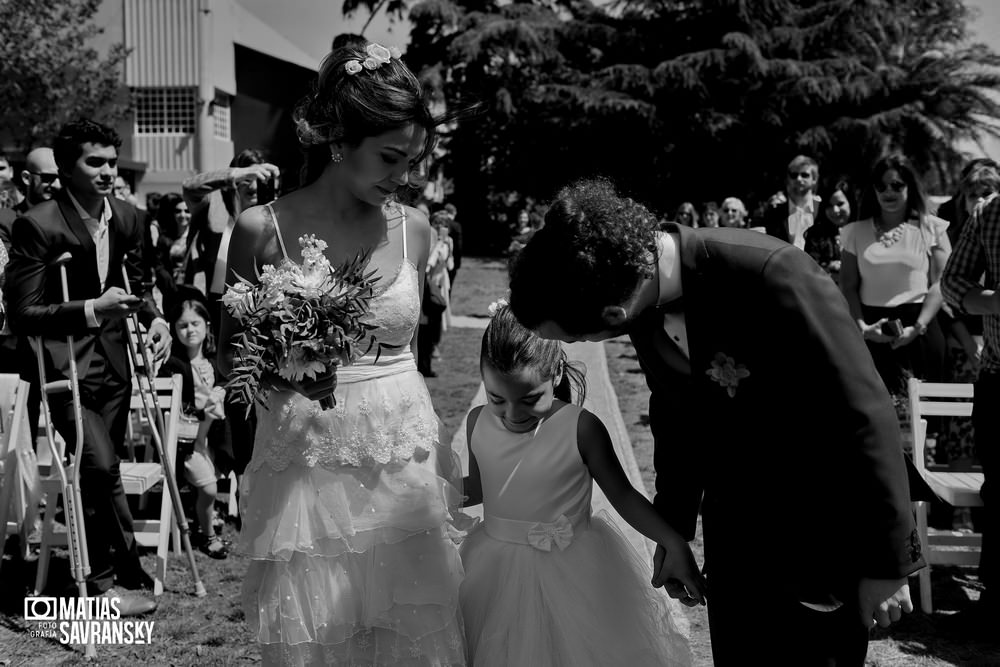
(402, 210)
(281, 241)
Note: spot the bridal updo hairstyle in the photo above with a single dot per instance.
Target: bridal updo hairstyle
(592, 252)
(508, 347)
(349, 108)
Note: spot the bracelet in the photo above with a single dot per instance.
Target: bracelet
(920, 327)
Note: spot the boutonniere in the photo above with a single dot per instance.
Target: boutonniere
(727, 372)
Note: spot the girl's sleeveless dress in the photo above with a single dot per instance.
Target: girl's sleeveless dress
(546, 583)
(345, 513)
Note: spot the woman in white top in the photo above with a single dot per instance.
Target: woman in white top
(891, 265)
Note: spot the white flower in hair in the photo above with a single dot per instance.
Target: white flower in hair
(378, 53)
(370, 63)
(495, 306)
(352, 67)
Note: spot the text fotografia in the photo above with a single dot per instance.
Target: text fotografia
(92, 620)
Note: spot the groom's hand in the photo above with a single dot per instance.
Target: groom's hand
(883, 601)
(676, 571)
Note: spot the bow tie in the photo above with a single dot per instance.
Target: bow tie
(671, 307)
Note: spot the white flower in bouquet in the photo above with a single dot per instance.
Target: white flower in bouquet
(299, 321)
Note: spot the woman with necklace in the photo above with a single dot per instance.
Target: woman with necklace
(891, 265)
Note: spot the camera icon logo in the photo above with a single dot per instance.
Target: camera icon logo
(41, 608)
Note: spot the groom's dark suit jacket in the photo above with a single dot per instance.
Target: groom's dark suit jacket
(34, 289)
(800, 472)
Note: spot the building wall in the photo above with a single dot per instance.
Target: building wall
(171, 58)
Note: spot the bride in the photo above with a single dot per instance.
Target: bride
(345, 510)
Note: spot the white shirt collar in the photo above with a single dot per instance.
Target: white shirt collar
(105, 211)
(809, 207)
(668, 267)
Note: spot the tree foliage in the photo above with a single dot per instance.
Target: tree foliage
(698, 100)
(50, 73)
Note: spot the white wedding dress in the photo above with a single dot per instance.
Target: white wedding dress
(345, 513)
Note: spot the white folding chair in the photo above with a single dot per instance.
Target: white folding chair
(20, 485)
(957, 488)
(139, 478)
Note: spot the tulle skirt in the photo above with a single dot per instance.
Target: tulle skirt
(588, 604)
(354, 564)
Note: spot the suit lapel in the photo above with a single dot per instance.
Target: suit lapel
(697, 313)
(116, 229)
(76, 224)
(86, 262)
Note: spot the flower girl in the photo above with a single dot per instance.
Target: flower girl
(547, 582)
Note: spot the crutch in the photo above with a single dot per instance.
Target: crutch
(72, 501)
(151, 408)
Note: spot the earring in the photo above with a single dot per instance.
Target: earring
(336, 158)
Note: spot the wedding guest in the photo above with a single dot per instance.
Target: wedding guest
(10, 195)
(792, 212)
(216, 199)
(723, 321)
(436, 304)
(891, 266)
(456, 236)
(105, 235)
(40, 177)
(345, 510)
(710, 216)
(547, 582)
(980, 179)
(734, 213)
(203, 393)
(969, 285)
(174, 219)
(686, 215)
(822, 239)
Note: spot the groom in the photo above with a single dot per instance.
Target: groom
(767, 415)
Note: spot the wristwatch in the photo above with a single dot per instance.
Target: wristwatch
(920, 327)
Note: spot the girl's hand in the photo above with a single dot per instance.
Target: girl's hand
(321, 387)
(873, 332)
(909, 335)
(674, 569)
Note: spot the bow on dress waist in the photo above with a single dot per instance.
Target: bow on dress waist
(540, 535)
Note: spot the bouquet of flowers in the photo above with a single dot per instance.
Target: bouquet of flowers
(298, 320)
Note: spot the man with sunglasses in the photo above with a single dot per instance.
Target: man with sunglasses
(40, 177)
(792, 212)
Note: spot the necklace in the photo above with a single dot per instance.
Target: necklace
(889, 236)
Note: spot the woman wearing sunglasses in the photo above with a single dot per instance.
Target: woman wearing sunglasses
(891, 265)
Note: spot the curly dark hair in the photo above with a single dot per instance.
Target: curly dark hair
(68, 144)
(592, 252)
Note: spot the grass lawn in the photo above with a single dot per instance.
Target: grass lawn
(917, 641)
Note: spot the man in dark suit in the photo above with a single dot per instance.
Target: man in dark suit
(101, 234)
(790, 213)
(763, 396)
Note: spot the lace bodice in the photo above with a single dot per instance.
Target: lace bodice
(395, 311)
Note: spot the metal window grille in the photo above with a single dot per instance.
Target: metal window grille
(222, 118)
(161, 111)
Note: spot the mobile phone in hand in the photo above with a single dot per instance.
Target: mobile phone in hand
(892, 328)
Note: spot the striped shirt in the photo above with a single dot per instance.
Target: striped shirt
(977, 253)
